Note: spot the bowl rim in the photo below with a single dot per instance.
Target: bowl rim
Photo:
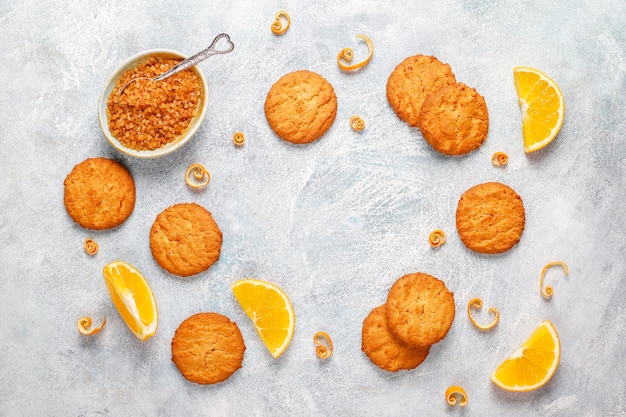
(168, 148)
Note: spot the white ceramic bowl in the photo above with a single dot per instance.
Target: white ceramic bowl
(194, 125)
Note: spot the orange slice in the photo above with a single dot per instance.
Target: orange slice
(132, 297)
(533, 363)
(270, 310)
(542, 105)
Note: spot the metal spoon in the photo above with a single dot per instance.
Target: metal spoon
(191, 61)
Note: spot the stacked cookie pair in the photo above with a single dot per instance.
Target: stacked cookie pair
(452, 117)
(418, 313)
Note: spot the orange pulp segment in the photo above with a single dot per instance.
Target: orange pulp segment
(542, 105)
(533, 363)
(270, 310)
(132, 297)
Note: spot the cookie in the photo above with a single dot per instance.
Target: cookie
(412, 81)
(301, 106)
(384, 349)
(99, 193)
(185, 240)
(420, 309)
(207, 348)
(454, 119)
(490, 218)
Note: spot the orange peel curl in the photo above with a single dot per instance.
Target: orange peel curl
(239, 138)
(478, 303)
(277, 25)
(452, 393)
(499, 159)
(356, 123)
(197, 176)
(91, 247)
(346, 54)
(548, 291)
(437, 238)
(323, 345)
(84, 324)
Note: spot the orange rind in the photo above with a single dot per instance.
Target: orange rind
(478, 303)
(84, 324)
(356, 123)
(91, 247)
(197, 176)
(239, 139)
(548, 291)
(437, 238)
(499, 159)
(277, 25)
(456, 391)
(347, 54)
(323, 345)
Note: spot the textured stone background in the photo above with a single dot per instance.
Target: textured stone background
(333, 223)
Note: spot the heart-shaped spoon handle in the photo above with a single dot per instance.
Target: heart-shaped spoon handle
(200, 56)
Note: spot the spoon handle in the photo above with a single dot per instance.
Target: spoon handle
(200, 56)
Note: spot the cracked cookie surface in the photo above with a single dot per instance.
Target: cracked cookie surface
(207, 348)
(384, 349)
(490, 218)
(412, 81)
(99, 193)
(301, 106)
(454, 119)
(420, 309)
(185, 239)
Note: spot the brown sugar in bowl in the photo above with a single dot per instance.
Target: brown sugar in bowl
(149, 149)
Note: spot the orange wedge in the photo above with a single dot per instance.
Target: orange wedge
(542, 105)
(533, 363)
(270, 310)
(132, 297)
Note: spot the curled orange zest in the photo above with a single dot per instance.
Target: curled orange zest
(499, 159)
(478, 303)
(201, 176)
(84, 323)
(547, 293)
(356, 123)
(91, 247)
(451, 394)
(323, 345)
(239, 138)
(437, 238)
(277, 26)
(347, 54)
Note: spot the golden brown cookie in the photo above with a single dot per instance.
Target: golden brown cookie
(99, 193)
(185, 240)
(490, 218)
(420, 309)
(207, 348)
(301, 106)
(384, 349)
(454, 119)
(412, 81)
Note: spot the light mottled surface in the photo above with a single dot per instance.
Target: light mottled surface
(334, 223)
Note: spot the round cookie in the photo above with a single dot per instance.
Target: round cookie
(301, 106)
(99, 193)
(207, 348)
(454, 119)
(490, 218)
(384, 349)
(420, 309)
(185, 240)
(412, 81)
